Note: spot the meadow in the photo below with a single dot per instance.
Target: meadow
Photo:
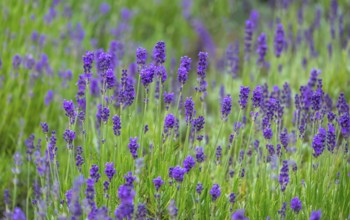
(175, 109)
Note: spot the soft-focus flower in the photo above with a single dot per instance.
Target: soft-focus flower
(226, 106)
(215, 192)
(295, 205)
(110, 170)
(116, 125)
(159, 53)
(239, 215)
(189, 163)
(158, 182)
(133, 146)
(315, 215)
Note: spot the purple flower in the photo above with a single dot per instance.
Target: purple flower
(141, 56)
(198, 123)
(279, 40)
(69, 137)
(189, 109)
(129, 179)
(18, 214)
(141, 212)
(199, 188)
(133, 146)
(315, 215)
(295, 205)
(90, 193)
(331, 138)
(48, 97)
(127, 93)
(102, 114)
(284, 138)
(262, 48)
(257, 97)
(319, 141)
(188, 163)
(110, 79)
(232, 198)
(159, 53)
(218, 153)
(168, 98)
(104, 8)
(226, 106)
(126, 208)
(267, 132)
(200, 156)
(16, 61)
(184, 69)
(104, 62)
(282, 211)
(110, 170)
(147, 74)
(161, 73)
(248, 37)
(342, 106)
(177, 173)
(202, 64)
(169, 122)
(284, 176)
(215, 192)
(94, 173)
(172, 209)
(68, 107)
(239, 215)
(243, 96)
(117, 125)
(158, 182)
(88, 59)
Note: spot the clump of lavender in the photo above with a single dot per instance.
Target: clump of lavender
(168, 99)
(257, 97)
(239, 215)
(158, 182)
(262, 49)
(189, 163)
(116, 125)
(184, 69)
(170, 122)
(248, 37)
(110, 170)
(226, 106)
(129, 179)
(172, 209)
(88, 60)
(279, 40)
(127, 91)
(215, 192)
(133, 146)
(141, 56)
(282, 211)
(177, 173)
(102, 114)
(189, 109)
(201, 71)
(94, 174)
(69, 137)
(315, 215)
(159, 53)
(79, 160)
(200, 156)
(199, 188)
(126, 196)
(243, 96)
(68, 107)
(284, 176)
(331, 138)
(319, 141)
(295, 205)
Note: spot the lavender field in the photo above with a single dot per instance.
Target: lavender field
(163, 109)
